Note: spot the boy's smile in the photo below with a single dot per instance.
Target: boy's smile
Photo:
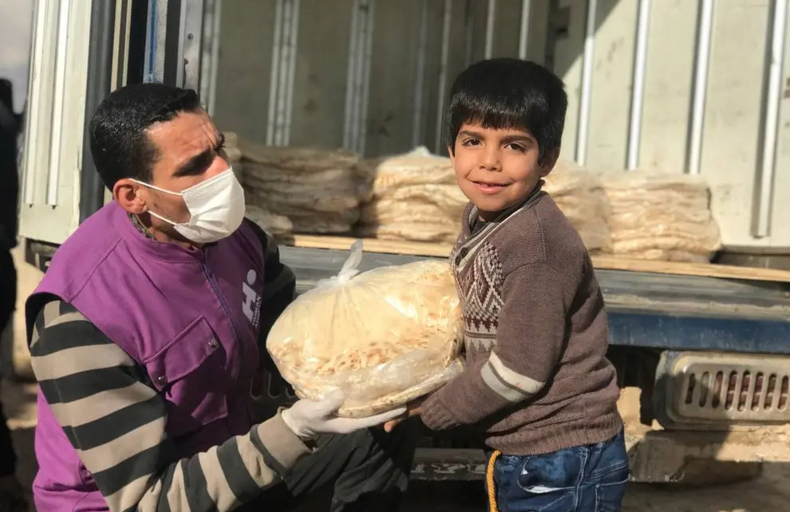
(497, 168)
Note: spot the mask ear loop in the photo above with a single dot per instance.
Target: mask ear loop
(148, 185)
(148, 210)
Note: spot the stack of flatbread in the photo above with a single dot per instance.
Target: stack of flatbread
(411, 197)
(385, 337)
(234, 154)
(276, 225)
(318, 191)
(581, 197)
(661, 216)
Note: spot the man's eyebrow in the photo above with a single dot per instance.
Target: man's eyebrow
(200, 162)
(196, 165)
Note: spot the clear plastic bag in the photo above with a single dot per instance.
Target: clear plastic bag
(385, 337)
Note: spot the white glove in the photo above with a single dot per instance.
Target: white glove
(309, 418)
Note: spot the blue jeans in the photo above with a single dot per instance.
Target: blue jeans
(588, 478)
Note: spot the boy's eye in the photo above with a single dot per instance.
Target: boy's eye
(516, 147)
(471, 142)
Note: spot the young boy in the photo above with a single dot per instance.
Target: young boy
(537, 381)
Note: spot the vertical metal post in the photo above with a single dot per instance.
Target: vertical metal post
(358, 78)
(694, 160)
(32, 124)
(274, 80)
(99, 84)
(367, 57)
(490, 21)
(53, 178)
(638, 87)
(419, 82)
(209, 63)
(773, 98)
(212, 98)
(353, 58)
(154, 67)
(292, 53)
(192, 16)
(284, 72)
(446, 25)
(586, 92)
(523, 35)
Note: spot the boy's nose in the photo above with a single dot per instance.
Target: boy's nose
(490, 160)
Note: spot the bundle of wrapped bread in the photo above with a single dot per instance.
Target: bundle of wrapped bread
(411, 197)
(581, 197)
(661, 217)
(384, 337)
(318, 191)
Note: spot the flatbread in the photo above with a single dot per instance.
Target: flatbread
(384, 337)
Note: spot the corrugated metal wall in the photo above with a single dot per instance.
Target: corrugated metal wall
(371, 75)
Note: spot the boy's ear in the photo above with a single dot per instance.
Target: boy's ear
(451, 153)
(549, 160)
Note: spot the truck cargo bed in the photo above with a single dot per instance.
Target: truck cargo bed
(646, 309)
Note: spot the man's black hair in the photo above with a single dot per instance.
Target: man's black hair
(120, 145)
(509, 93)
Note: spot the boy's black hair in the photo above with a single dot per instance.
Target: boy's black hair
(509, 93)
(119, 144)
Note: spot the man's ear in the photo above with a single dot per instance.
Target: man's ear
(549, 161)
(125, 192)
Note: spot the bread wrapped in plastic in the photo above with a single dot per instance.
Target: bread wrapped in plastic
(384, 337)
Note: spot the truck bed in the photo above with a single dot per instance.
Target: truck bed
(646, 309)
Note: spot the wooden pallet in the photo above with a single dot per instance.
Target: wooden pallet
(600, 262)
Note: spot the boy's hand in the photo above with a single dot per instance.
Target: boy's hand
(412, 409)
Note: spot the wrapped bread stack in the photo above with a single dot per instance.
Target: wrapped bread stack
(661, 217)
(385, 337)
(581, 197)
(411, 197)
(318, 191)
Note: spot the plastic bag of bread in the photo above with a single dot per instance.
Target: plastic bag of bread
(384, 337)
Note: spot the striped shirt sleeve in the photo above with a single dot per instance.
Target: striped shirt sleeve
(116, 423)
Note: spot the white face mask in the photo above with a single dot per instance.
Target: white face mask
(216, 207)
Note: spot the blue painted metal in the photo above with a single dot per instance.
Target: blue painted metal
(675, 332)
(149, 74)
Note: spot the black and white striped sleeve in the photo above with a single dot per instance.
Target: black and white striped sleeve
(116, 423)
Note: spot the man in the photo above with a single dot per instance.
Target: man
(144, 337)
(11, 494)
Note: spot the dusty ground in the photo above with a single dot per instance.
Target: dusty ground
(768, 493)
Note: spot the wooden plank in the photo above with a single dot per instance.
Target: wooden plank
(371, 245)
(600, 262)
(692, 269)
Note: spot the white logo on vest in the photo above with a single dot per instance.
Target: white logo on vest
(252, 301)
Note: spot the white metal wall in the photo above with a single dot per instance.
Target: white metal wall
(372, 76)
(49, 203)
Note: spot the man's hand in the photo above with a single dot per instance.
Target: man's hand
(413, 409)
(309, 418)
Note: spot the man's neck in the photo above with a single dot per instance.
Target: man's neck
(143, 225)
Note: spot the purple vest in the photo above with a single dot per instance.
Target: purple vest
(189, 317)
